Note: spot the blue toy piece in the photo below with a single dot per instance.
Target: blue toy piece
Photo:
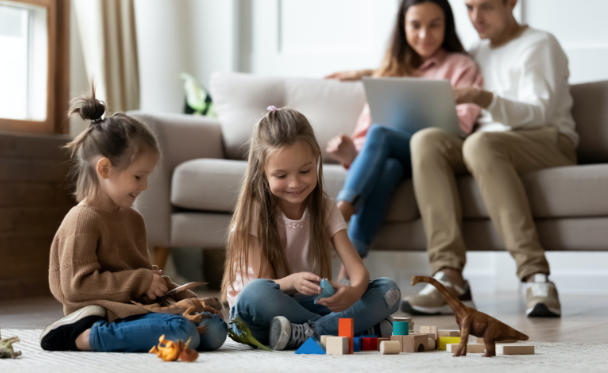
(326, 290)
(357, 344)
(401, 328)
(312, 346)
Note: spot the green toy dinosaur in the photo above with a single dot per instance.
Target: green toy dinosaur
(243, 334)
(6, 348)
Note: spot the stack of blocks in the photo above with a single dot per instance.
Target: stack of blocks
(410, 342)
(446, 337)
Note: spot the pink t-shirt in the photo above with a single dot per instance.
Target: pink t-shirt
(459, 69)
(295, 240)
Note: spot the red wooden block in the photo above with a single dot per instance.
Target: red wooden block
(346, 328)
(369, 344)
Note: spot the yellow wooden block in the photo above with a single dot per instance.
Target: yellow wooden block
(443, 341)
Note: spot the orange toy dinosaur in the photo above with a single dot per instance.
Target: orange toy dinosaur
(474, 322)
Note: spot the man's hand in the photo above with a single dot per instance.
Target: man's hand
(342, 300)
(346, 76)
(306, 283)
(158, 287)
(473, 95)
(342, 149)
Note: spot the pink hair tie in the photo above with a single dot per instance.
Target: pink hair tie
(271, 108)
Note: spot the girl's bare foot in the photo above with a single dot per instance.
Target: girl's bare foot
(346, 209)
(82, 341)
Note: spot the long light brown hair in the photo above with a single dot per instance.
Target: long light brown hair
(400, 58)
(276, 130)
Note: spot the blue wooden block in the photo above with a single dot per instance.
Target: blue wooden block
(357, 344)
(326, 290)
(312, 346)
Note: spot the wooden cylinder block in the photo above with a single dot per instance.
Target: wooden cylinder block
(431, 344)
(390, 347)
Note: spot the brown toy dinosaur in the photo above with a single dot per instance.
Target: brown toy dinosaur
(187, 308)
(474, 322)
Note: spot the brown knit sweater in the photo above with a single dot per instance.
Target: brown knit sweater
(100, 257)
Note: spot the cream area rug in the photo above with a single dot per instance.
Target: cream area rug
(233, 357)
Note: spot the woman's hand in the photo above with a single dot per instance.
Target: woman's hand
(158, 287)
(342, 149)
(342, 300)
(306, 283)
(347, 76)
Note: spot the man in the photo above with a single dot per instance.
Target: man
(526, 125)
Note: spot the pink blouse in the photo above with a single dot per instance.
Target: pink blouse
(462, 72)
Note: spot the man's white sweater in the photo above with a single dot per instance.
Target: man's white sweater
(529, 79)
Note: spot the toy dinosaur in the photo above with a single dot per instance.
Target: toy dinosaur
(240, 332)
(187, 308)
(6, 348)
(171, 351)
(474, 322)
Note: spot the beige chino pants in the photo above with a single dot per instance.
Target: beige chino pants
(495, 159)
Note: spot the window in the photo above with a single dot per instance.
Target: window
(33, 40)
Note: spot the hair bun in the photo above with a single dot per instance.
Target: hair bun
(88, 107)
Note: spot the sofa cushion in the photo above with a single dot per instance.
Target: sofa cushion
(241, 100)
(590, 114)
(213, 185)
(574, 191)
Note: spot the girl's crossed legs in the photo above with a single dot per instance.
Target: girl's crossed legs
(140, 332)
(262, 300)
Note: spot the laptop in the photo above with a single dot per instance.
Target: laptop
(412, 104)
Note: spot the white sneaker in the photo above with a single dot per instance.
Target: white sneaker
(429, 300)
(542, 298)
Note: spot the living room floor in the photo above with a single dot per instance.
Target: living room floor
(584, 319)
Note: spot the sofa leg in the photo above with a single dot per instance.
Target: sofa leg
(160, 255)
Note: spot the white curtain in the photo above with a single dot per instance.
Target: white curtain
(109, 45)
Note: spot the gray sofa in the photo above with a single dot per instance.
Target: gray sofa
(190, 199)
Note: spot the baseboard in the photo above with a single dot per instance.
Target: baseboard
(24, 288)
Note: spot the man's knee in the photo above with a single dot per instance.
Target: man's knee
(480, 150)
(426, 143)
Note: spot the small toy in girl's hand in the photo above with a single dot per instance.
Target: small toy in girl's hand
(6, 348)
(171, 351)
(326, 290)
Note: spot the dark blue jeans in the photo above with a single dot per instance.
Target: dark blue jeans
(140, 332)
(261, 300)
(383, 162)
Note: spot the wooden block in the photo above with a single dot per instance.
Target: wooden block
(406, 319)
(369, 344)
(401, 328)
(443, 341)
(324, 340)
(390, 347)
(503, 349)
(398, 338)
(380, 340)
(346, 328)
(473, 348)
(473, 339)
(337, 345)
(448, 333)
(415, 343)
(430, 330)
(431, 345)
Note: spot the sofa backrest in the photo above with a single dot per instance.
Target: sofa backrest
(333, 107)
(241, 100)
(590, 114)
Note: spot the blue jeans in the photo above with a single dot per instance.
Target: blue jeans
(383, 162)
(261, 300)
(140, 332)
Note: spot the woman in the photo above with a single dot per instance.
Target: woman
(424, 44)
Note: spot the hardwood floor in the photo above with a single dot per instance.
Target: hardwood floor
(584, 319)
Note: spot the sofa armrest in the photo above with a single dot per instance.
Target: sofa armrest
(181, 138)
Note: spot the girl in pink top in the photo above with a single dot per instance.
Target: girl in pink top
(424, 44)
(280, 244)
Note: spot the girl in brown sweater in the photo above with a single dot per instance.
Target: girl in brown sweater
(99, 258)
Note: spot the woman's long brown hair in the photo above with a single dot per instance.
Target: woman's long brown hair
(277, 129)
(400, 58)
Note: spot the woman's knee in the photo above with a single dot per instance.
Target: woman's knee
(214, 337)
(180, 328)
(376, 134)
(390, 292)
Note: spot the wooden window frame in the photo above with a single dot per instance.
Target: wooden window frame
(58, 74)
